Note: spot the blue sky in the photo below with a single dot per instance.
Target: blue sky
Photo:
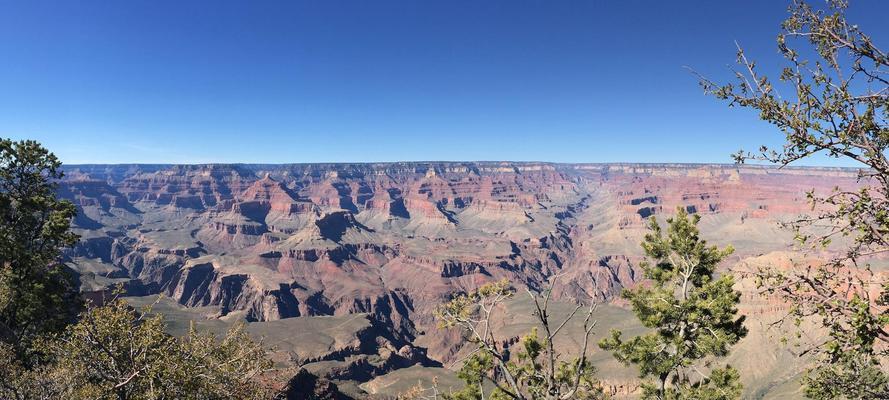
(294, 81)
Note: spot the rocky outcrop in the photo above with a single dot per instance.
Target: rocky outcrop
(306, 386)
(621, 389)
(200, 285)
(393, 240)
(521, 220)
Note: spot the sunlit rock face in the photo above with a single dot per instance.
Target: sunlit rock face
(393, 240)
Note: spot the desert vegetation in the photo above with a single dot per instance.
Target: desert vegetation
(835, 104)
(427, 268)
(55, 345)
(692, 315)
(537, 370)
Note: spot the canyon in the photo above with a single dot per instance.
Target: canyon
(342, 265)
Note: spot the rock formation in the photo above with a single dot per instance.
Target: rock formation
(393, 240)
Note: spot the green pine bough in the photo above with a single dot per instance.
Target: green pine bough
(692, 314)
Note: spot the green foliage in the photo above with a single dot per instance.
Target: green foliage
(722, 384)
(106, 352)
(692, 314)
(532, 371)
(837, 105)
(113, 352)
(464, 306)
(37, 293)
(847, 376)
(473, 374)
(27, 383)
(529, 370)
(850, 367)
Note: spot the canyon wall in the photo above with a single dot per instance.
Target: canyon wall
(394, 240)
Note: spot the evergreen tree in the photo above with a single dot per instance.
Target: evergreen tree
(37, 292)
(49, 351)
(691, 311)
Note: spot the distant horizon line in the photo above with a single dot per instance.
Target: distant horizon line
(480, 162)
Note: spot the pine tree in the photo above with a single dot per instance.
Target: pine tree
(691, 311)
(37, 292)
(49, 351)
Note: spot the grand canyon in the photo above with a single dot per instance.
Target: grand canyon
(340, 266)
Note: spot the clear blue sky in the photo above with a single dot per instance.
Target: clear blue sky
(295, 81)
